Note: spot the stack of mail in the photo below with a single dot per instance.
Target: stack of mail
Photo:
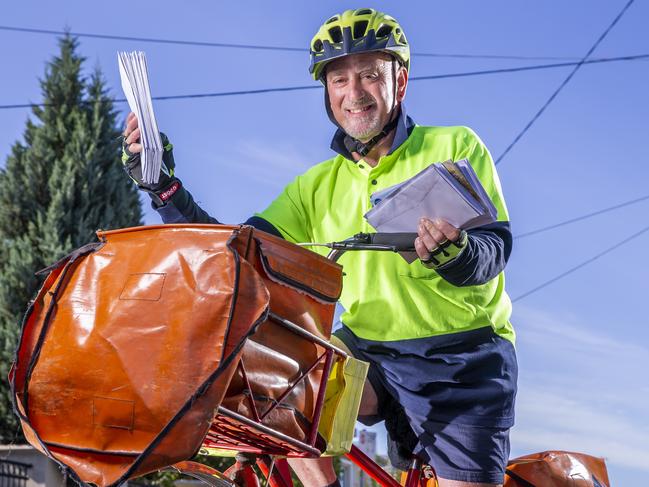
(449, 191)
(135, 83)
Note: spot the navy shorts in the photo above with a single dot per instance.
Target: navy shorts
(457, 392)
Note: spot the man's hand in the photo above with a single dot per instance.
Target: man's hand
(132, 135)
(438, 242)
(167, 184)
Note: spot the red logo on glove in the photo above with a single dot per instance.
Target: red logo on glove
(168, 193)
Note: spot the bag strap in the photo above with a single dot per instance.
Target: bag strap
(86, 249)
(518, 478)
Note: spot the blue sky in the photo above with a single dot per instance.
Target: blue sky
(582, 341)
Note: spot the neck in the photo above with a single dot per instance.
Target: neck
(383, 146)
(379, 150)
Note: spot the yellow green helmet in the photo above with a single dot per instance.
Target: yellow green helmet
(355, 31)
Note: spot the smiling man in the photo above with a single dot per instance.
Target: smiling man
(360, 104)
(435, 332)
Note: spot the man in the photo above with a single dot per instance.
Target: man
(435, 332)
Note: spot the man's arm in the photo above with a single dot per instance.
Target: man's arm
(168, 197)
(485, 256)
(464, 258)
(264, 225)
(181, 208)
(481, 253)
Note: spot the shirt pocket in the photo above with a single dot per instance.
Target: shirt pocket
(417, 270)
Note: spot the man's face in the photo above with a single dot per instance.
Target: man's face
(361, 92)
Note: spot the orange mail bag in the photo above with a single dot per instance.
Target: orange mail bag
(130, 346)
(558, 469)
(276, 385)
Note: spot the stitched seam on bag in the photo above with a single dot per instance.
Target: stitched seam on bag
(223, 365)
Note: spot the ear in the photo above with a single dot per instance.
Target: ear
(402, 83)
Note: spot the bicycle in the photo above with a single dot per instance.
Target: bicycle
(275, 472)
(88, 398)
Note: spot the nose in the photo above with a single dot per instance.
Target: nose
(356, 90)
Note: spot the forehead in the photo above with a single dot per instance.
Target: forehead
(359, 61)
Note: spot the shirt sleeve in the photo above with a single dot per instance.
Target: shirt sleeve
(288, 214)
(181, 208)
(485, 256)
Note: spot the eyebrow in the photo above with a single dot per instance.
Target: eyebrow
(362, 68)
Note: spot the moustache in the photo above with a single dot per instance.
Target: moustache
(362, 103)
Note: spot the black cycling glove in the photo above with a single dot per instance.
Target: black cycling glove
(167, 184)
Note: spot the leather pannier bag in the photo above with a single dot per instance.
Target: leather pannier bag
(134, 342)
(558, 469)
(280, 373)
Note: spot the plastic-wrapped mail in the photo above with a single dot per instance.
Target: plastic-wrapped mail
(432, 193)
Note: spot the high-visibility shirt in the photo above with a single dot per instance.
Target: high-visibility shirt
(384, 297)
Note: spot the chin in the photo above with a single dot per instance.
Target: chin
(363, 133)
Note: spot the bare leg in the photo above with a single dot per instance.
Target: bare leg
(319, 472)
(314, 472)
(369, 400)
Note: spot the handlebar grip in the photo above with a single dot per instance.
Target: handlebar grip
(402, 242)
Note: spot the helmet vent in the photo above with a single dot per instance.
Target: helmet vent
(317, 46)
(364, 11)
(332, 19)
(383, 31)
(360, 28)
(336, 34)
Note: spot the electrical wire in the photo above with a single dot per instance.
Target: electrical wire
(564, 83)
(260, 47)
(582, 217)
(318, 86)
(635, 57)
(579, 266)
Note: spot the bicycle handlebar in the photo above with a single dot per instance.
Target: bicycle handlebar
(402, 242)
(391, 242)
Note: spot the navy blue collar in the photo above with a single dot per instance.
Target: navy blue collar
(404, 127)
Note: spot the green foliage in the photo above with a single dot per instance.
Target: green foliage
(167, 478)
(59, 185)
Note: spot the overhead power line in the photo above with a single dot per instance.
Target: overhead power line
(582, 217)
(636, 57)
(579, 266)
(260, 47)
(318, 86)
(564, 83)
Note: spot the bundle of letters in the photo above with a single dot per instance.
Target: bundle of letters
(135, 83)
(449, 191)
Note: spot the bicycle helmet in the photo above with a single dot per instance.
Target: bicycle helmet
(356, 31)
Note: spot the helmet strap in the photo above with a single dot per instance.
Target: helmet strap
(364, 148)
(395, 84)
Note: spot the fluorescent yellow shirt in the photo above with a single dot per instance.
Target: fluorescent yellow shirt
(386, 298)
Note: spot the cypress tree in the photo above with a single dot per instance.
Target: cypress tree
(59, 185)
